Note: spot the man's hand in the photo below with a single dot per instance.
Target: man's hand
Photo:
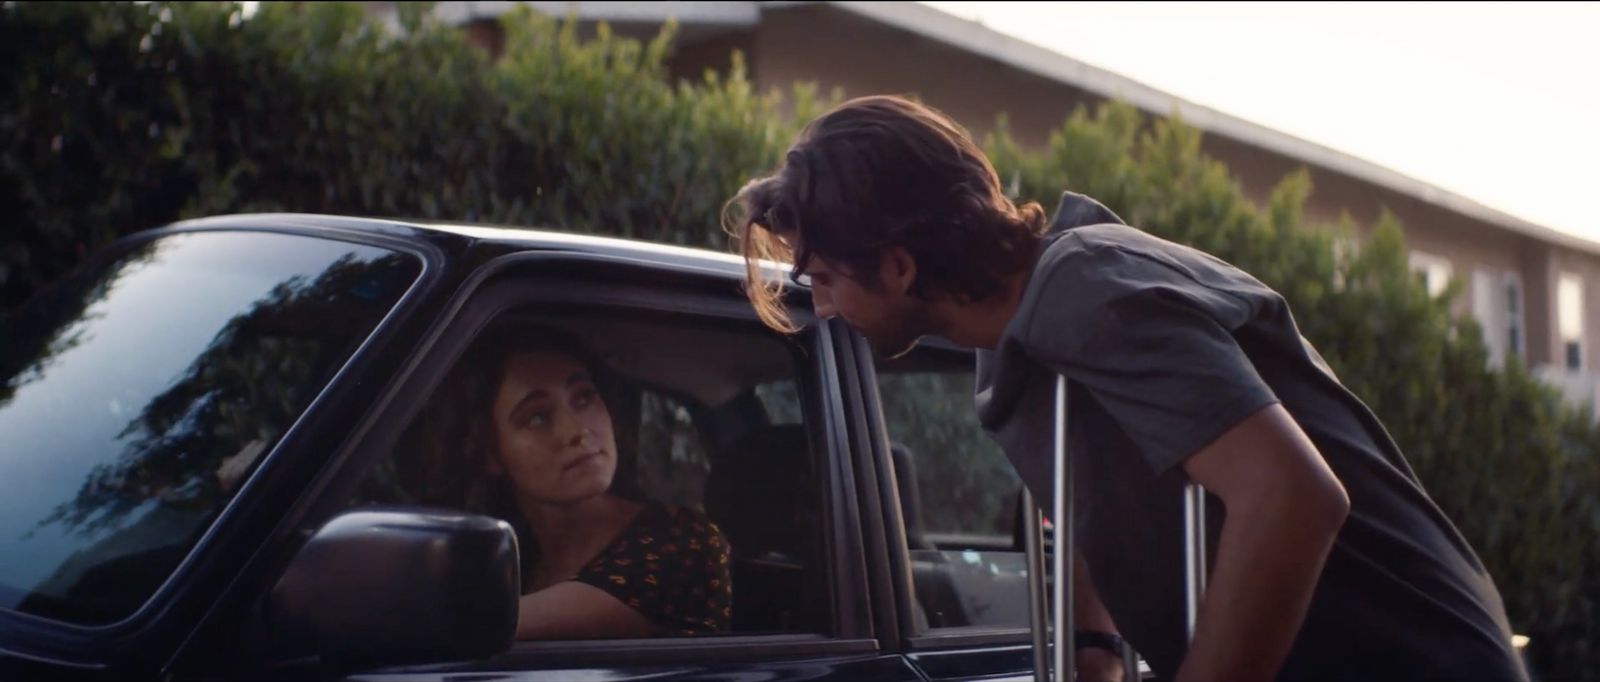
(1099, 665)
(1284, 508)
(1094, 664)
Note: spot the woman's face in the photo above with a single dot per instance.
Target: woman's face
(552, 430)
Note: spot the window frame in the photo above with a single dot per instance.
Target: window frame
(1426, 265)
(1516, 321)
(913, 639)
(621, 283)
(1563, 277)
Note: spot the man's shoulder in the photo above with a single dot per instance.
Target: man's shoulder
(1083, 227)
(1085, 272)
(1097, 239)
(1077, 271)
(1119, 256)
(1103, 255)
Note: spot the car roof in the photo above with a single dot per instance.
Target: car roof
(509, 239)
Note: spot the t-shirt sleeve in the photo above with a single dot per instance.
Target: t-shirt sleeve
(1151, 345)
(673, 568)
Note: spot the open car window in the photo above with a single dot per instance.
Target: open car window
(708, 420)
(959, 495)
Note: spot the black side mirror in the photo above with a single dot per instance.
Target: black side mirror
(396, 586)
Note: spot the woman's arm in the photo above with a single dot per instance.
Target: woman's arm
(576, 610)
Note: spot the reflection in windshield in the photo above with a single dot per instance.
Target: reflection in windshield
(61, 316)
(135, 400)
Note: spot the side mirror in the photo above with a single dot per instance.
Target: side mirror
(395, 586)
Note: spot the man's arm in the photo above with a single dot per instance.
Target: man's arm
(1284, 508)
(1089, 613)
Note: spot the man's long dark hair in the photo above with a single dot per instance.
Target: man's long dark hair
(879, 172)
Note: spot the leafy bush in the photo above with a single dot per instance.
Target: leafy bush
(122, 117)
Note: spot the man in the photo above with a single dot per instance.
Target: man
(1330, 561)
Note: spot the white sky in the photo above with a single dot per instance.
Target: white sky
(1498, 102)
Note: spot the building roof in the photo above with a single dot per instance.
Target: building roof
(978, 39)
(975, 37)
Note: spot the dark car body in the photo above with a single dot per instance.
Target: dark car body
(883, 594)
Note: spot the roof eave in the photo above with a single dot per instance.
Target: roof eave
(975, 37)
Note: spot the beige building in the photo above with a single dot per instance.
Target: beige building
(1528, 284)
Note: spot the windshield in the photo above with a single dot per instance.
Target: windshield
(137, 396)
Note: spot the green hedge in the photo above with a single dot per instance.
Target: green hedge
(119, 117)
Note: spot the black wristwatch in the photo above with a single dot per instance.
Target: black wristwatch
(1096, 639)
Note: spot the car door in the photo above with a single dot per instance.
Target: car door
(721, 416)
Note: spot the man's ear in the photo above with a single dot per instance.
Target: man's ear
(898, 269)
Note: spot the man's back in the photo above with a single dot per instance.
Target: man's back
(1165, 347)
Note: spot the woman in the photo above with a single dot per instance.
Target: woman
(595, 564)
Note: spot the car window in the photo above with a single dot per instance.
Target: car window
(671, 464)
(781, 400)
(136, 397)
(706, 419)
(959, 495)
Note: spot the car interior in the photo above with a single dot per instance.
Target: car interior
(966, 550)
(706, 416)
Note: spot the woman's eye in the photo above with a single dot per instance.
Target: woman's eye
(538, 419)
(585, 398)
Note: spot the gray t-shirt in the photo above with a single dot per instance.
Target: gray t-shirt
(1165, 348)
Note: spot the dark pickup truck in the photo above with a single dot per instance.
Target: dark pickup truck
(206, 434)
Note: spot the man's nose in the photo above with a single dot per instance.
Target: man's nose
(822, 303)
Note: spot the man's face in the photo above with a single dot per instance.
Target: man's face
(883, 312)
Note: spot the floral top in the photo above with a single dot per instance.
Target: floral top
(670, 564)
